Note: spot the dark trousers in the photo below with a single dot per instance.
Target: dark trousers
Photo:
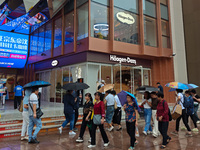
(130, 127)
(17, 101)
(84, 125)
(76, 117)
(39, 99)
(194, 119)
(163, 128)
(103, 134)
(117, 116)
(184, 117)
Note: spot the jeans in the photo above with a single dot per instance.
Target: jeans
(147, 116)
(25, 125)
(155, 121)
(109, 114)
(34, 121)
(194, 120)
(163, 128)
(184, 118)
(83, 127)
(17, 101)
(76, 117)
(196, 107)
(130, 127)
(69, 118)
(103, 134)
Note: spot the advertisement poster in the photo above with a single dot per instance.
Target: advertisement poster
(13, 50)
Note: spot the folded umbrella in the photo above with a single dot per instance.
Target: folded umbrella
(122, 97)
(37, 84)
(75, 86)
(106, 88)
(144, 88)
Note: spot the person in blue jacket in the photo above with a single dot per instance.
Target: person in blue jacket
(19, 93)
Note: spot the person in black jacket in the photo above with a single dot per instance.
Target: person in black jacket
(69, 104)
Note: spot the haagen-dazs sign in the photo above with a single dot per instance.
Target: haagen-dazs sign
(122, 60)
(125, 18)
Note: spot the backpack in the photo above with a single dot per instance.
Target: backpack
(169, 112)
(187, 103)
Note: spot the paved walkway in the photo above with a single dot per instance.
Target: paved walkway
(118, 141)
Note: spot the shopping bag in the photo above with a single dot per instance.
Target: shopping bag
(176, 112)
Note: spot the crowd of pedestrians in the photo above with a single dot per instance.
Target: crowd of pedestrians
(105, 111)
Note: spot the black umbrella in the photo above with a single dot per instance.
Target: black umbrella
(75, 86)
(144, 88)
(37, 84)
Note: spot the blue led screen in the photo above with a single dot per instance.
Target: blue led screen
(13, 49)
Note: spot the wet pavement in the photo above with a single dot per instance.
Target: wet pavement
(118, 140)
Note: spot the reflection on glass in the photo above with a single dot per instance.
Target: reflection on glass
(41, 40)
(58, 85)
(33, 47)
(48, 33)
(164, 12)
(69, 28)
(80, 2)
(137, 79)
(163, 2)
(57, 33)
(150, 33)
(106, 74)
(149, 8)
(146, 77)
(116, 76)
(53, 86)
(82, 21)
(126, 79)
(125, 30)
(129, 5)
(99, 21)
(165, 34)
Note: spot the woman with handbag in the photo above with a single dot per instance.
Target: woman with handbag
(131, 111)
(87, 112)
(98, 121)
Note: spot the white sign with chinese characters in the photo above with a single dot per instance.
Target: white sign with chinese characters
(125, 18)
(122, 60)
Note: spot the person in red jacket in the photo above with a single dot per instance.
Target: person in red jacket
(163, 119)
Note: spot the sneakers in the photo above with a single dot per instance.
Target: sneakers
(198, 122)
(90, 140)
(154, 135)
(60, 130)
(195, 130)
(131, 148)
(91, 146)
(24, 138)
(72, 133)
(111, 128)
(106, 144)
(79, 140)
(144, 132)
(149, 132)
(183, 128)
(33, 141)
(75, 129)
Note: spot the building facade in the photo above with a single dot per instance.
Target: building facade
(127, 44)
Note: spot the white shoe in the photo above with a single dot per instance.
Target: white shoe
(91, 146)
(72, 133)
(106, 144)
(144, 132)
(111, 128)
(24, 138)
(198, 122)
(90, 140)
(149, 132)
(60, 130)
(79, 140)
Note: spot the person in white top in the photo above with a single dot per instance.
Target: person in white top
(146, 102)
(118, 112)
(180, 100)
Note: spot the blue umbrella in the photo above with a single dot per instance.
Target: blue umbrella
(37, 84)
(189, 86)
(122, 97)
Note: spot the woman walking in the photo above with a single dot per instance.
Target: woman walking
(146, 102)
(87, 111)
(69, 103)
(163, 119)
(131, 111)
(98, 120)
(180, 100)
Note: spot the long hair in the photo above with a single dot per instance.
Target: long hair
(90, 96)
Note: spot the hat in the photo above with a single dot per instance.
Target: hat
(102, 81)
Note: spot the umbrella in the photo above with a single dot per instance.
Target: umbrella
(182, 86)
(106, 88)
(190, 86)
(122, 97)
(144, 88)
(75, 86)
(37, 84)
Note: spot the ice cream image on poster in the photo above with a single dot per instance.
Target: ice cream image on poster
(13, 50)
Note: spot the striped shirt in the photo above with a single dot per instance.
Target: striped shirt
(33, 100)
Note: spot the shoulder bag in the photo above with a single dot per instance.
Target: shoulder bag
(39, 112)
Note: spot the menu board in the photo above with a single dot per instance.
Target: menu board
(13, 49)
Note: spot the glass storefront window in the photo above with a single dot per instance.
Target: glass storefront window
(163, 2)
(106, 74)
(99, 21)
(33, 45)
(126, 22)
(80, 2)
(48, 33)
(149, 8)
(53, 86)
(69, 28)
(58, 32)
(164, 12)
(82, 21)
(41, 40)
(126, 78)
(150, 32)
(59, 85)
(165, 34)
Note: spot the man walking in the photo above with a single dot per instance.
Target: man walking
(19, 92)
(196, 99)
